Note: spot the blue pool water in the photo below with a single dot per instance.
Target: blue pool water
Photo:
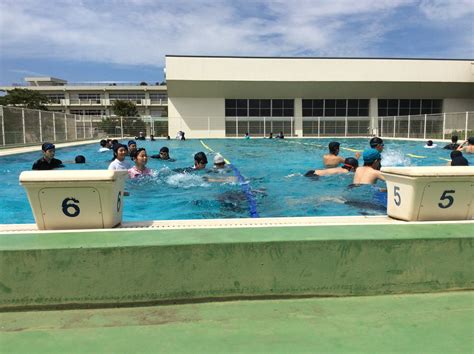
(271, 180)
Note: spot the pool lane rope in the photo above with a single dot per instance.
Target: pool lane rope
(245, 185)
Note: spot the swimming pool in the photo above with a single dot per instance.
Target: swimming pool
(272, 183)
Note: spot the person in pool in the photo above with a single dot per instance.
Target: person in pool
(469, 148)
(132, 146)
(377, 144)
(141, 136)
(119, 163)
(219, 161)
(430, 145)
(103, 146)
(200, 162)
(332, 159)
(139, 170)
(163, 155)
(370, 172)
(454, 143)
(457, 159)
(350, 165)
(47, 162)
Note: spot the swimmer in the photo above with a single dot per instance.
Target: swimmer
(219, 161)
(270, 136)
(370, 172)
(141, 136)
(140, 157)
(163, 155)
(152, 137)
(119, 163)
(454, 143)
(350, 165)
(457, 159)
(469, 149)
(333, 159)
(247, 136)
(377, 144)
(430, 145)
(47, 162)
(80, 159)
(132, 146)
(103, 146)
(200, 162)
(280, 135)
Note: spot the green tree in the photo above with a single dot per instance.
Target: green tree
(125, 109)
(24, 98)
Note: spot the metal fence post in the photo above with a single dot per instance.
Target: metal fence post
(75, 127)
(381, 126)
(467, 121)
(264, 127)
(345, 126)
(424, 129)
(444, 123)
(23, 124)
(40, 126)
(92, 134)
(208, 127)
(236, 127)
(83, 127)
(394, 125)
(3, 125)
(319, 126)
(409, 121)
(121, 127)
(65, 125)
(291, 126)
(54, 126)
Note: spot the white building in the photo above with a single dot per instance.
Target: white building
(228, 96)
(96, 99)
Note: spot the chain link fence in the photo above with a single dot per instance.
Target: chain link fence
(21, 126)
(428, 126)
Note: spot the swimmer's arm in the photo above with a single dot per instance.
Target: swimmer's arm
(461, 147)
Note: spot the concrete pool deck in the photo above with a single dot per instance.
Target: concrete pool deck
(427, 323)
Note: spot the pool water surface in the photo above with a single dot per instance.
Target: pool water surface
(266, 179)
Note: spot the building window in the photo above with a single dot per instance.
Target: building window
(55, 97)
(259, 107)
(89, 96)
(88, 112)
(405, 107)
(158, 96)
(336, 108)
(134, 97)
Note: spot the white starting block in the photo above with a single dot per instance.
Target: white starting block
(430, 193)
(83, 199)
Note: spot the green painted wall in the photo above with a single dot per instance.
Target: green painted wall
(112, 267)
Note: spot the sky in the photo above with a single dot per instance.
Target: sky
(118, 40)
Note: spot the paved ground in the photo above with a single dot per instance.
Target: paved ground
(442, 323)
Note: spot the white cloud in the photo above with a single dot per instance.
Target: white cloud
(141, 32)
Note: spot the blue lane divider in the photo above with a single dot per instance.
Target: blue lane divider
(244, 185)
(247, 191)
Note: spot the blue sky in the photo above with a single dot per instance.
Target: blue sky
(117, 40)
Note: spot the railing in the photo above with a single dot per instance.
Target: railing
(428, 126)
(21, 126)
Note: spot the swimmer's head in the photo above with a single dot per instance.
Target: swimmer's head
(454, 139)
(219, 161)
(471, 140)
(164, 153)
(120, 151)
(200, 160)
(429, 143)
(334, 147)
(47, 146)
(139, 156)
(376, 143)
(370, 156)
(132, 144)
(351, 164)
(80, 159)
(103, 143)
(459, 161)
(455, 154)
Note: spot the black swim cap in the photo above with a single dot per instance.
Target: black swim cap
(352, 162)
(375, 141)
(200, 157)
(454, 139)
(47, 146)
(333, 146)
(164, 149)
(471, 140)
(103, 142)
(311, 174)
(80, 159)
(118, 146)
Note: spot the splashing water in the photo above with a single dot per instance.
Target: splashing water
(395, 158)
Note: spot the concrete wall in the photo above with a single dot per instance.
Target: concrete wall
(459, 104)
(197, 117)
(117, 267)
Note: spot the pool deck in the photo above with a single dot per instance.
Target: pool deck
(428, 323)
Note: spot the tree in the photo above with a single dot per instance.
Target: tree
(24, 98)
(125, 109)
